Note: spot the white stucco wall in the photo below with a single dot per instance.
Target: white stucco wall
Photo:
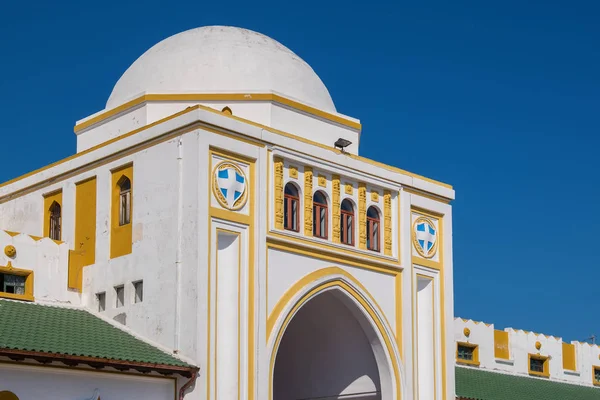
(49, 383)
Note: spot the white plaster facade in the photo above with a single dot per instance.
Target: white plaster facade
(521, 344)
(221, 286)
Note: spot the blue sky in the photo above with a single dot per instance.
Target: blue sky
(500, 99)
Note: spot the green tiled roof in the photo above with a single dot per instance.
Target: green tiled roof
(72, 332)
(472, 383)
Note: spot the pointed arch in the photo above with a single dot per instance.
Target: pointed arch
(363, 306)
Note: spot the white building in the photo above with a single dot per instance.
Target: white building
(208, 213)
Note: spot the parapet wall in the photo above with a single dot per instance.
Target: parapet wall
(509, 351)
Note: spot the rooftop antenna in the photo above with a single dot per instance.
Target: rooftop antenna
(591, 339)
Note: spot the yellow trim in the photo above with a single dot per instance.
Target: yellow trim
(475, 361)
(10, 270)
(49, 199)
(261, 97)
(308, 201)
(278, 191)
(179, 131)
(594, 381)
(501, 345)
(569, 357)
(330, 253)
(362, 216)
(305, 281)
(546, 373)
(426, 263)
(85, 232)
(335, 208)
(247, 220)
(433, 327)
(387, 223)
(443, 306)
(121, 236)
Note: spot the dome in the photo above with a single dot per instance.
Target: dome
(221, 59)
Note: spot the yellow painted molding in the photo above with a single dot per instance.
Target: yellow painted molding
(349, 189)
(387, 222)
(342, 285)
(332, 254)
(426, 263)
(569, 357)
(322, 181)
(362, 216)
(278, 191)
(308, 201)
(293, 171)
(375, 196)
(335, 208)
(262, 97)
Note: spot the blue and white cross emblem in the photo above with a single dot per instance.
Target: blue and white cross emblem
(231, 183)
(426, 236)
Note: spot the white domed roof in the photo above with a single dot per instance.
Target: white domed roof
(221, 59)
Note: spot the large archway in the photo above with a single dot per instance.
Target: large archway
(330, 350)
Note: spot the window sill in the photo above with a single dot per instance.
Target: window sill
(504, 361)
(540, 374)
(466, 362)
(23, 297)
(573, 373)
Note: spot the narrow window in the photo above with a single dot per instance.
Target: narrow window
(124, 201)
(13, 284)
(55, 221)
(320, 215)
(347, 223)
(101, 299)
(373, 224)
(290, 209)
(596, 375)
(138, 288)
(120, 292)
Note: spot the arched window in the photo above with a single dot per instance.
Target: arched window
(373, 224)
(291, 204)
(55, 221)
(320, 215)
(124, 201)
(347, 223)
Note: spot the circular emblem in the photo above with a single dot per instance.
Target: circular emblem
(425, 237)
(230, 185)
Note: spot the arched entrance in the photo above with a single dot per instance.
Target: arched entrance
(330, 350)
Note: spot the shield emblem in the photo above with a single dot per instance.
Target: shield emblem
(425, 237)
(230, 185)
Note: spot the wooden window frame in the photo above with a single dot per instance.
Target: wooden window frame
(344, 216)
(546, 365)
(475, 360)
(370, 235)
(55, 221)
(317, 207)
(288, 201)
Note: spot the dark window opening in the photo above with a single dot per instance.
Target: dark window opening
(465, 353)
(320, 215)
(347, 223)
(291, 204)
